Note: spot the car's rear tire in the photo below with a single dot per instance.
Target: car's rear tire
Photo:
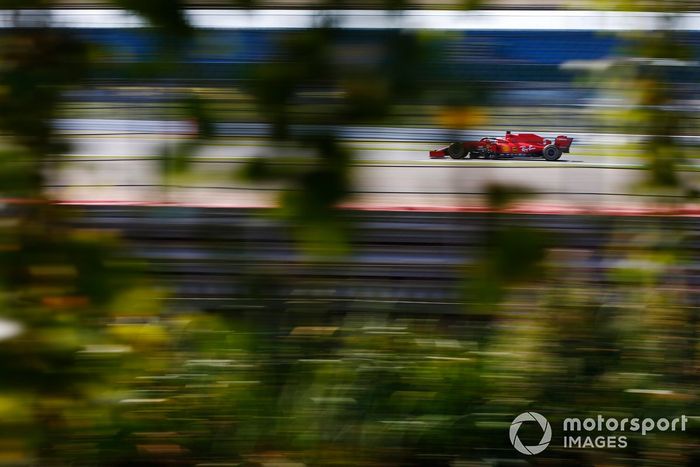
(551, 152)
(456, 151)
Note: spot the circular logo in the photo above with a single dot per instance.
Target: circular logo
(546, 433)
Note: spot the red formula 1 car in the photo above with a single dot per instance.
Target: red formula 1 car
(523, 144)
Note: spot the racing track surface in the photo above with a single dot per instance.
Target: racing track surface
(126, 169)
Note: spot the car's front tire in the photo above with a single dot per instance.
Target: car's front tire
(456, 151)
(551, 152)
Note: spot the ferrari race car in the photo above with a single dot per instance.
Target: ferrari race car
(523, 144)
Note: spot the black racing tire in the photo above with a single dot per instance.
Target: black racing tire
(456, 151)
(551, 152)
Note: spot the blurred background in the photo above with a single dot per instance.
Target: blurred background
(223, 243)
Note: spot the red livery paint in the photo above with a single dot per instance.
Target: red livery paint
(522, 144)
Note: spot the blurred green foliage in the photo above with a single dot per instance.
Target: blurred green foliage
(346, 93)
(164, 14)
(36, 66)
(646, 78)
(643, 75)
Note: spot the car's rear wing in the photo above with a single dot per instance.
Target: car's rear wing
(563, 143)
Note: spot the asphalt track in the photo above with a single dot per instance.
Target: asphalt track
(386, 174)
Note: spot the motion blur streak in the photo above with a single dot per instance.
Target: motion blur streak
(401, 259)
(441, 20)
